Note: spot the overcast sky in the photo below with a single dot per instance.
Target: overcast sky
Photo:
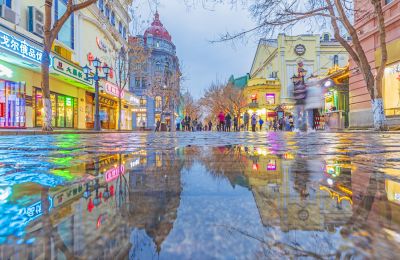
(192, 29)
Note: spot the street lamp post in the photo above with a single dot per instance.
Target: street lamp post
(96, 77)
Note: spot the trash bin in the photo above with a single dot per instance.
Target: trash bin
(335, 120)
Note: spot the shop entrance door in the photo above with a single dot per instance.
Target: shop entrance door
(12, 104)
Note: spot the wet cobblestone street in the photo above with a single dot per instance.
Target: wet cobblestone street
(201, 195)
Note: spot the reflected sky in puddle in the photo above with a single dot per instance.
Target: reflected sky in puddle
(290, 197)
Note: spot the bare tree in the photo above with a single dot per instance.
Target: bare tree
(122, 76)
(223, 98)
(272, 16)
(190, 106)
(51, 30)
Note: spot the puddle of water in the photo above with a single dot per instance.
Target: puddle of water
(225, 202)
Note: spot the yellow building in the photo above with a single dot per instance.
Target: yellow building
(263, 97)
(277, 59)
(97, 31)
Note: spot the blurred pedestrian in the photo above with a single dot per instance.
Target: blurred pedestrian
(221, 118)
(253, 122)
(246, 118)
(261, 122)
(314, 100)
(178, 123)
(228, 122)
(209, 125)
(158, 124)
(236, 123)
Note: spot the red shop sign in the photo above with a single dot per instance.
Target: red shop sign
(113, 89)
(2, 109)
(113, 173)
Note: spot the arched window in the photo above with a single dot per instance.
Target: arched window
(336, 60)
(158, 66)
(124, 32)
(326, 37)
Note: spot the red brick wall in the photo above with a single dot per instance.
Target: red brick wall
(360, 102)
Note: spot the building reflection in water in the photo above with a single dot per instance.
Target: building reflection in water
(96, 215)
(127, 204)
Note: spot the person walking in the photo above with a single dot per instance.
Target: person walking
(253, 122)
(228, 122)
(158, 124)
(236, 123)
(314, 100)
(261, 122)
(291, 123)
(194, 125)
(210, 125)
(221, 118)
(275, 125)
(187, 122)
(178, 123)
(246, 118)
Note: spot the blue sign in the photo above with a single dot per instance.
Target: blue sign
(33, 211)
(20, 47)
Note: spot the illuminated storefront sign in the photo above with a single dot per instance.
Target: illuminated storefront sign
(66, 195)
(70, 70)
(34, 211)
(113, 89)
(113, 173)
(135, 163)
(20, 47)
(5, 72)
(271, 166)
(101, 44)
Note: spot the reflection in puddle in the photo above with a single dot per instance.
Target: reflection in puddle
(199, 203)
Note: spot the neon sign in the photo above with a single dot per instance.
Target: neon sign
(113, 174)
(5, 72)
(20, 47)
(34, 211)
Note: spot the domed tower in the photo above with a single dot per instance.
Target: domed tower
(162, 64)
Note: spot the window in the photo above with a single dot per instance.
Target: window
(8, 3)
(270, 98)
(326, 37)
(112, 18)
(137, 82)
(107, 12)
(158, 66)
(388, 1)
(101, 5)
(143, 102)
(336, 60)
(124, 33)
(120, 30)
(158, 102)
(66, 34)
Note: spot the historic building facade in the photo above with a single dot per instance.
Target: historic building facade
(360, 100)
(97, 31)
(278, 59)
(154, 86)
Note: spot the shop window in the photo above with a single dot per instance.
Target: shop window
(66, 34)
(158, 102)
(253, 98)
(12, 104)
(158, 66)
(140, 119)
(63, 109)
(270, 98)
